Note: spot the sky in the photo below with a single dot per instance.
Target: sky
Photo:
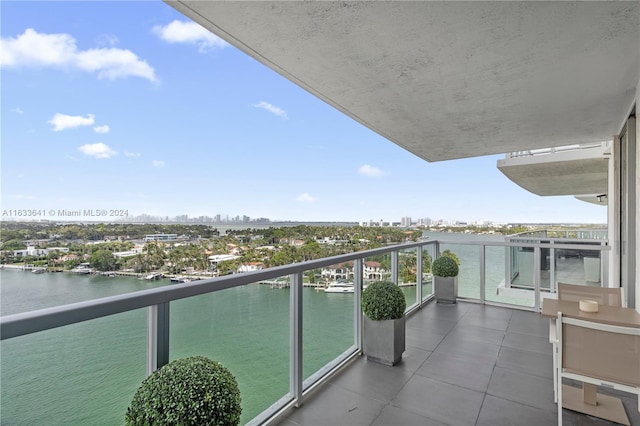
(130, 106)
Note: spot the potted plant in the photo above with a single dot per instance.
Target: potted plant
(445, 279)
(383, 339)
(187, 391)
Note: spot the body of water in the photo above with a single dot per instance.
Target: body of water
(87, 373)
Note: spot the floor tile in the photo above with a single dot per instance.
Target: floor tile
(440, 401)
(474, 374)
(478, 334)
(333, 405)
(501, 412)
(373, 380)
(398, 417)
(529, 362)
(521, 387)
(528, 342)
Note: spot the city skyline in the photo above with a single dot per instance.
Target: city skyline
(93, 217)
(129, 106)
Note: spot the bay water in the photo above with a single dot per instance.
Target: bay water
(87, 373)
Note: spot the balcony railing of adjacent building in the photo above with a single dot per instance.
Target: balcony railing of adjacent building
(566, 148)
(280, 344)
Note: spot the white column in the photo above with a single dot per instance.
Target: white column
(637, 161)
(613, 214)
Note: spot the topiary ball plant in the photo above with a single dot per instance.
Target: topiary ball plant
(188, 391)
(445, 266)
(383, 300)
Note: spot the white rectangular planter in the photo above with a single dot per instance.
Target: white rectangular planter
(383, 341)
(445, 289)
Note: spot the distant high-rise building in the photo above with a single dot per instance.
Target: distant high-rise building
(405, 221)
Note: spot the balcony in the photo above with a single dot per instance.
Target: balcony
(284, 343)
(465, 364)
(579, 170)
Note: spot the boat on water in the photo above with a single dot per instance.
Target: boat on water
(38, 270)
(339, 287)
(153, 276)
(83, 269)
(180, 280)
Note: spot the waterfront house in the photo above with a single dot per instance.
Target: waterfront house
(340, 271)
(292, 241)
(30, 251)
(373, 271)
(250, 266)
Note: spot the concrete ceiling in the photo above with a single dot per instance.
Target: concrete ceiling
(449, 80)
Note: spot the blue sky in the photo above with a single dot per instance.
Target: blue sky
(128, 105)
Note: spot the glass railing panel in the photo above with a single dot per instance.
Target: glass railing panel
(497, 276)
(80, 374)
(428, 255)
(523, 260)
(469, 268)
(407, 263)
(578, 266)
(247, 330)
(313, 277)
(328, 325)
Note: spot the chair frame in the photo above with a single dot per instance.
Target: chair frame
(582, 377)
(615, 292)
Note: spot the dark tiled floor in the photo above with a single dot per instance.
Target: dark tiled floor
(465, 364)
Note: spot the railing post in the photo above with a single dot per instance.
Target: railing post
(604, 261)
(552, 269)
(482, 273)
(394, 267)
(419, 275)
(157, 337)
(357, 300)
(536, 278)
(295, 364)
(509, 254)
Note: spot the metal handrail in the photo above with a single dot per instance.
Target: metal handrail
(546, 151)
(44, 319)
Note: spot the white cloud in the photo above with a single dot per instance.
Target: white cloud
(306, 198)
(63, 121)
(107, 40)
(370, 171)
(158, 163)
(98, 150)
(131, 154)
(102, 129)
(272, 109)
(189, 32)
(18, 110)
(23, 197)
(33, 49)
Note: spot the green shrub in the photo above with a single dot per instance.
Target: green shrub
(452, 255)
(188, 391)
(445, 266)
(383, 300)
